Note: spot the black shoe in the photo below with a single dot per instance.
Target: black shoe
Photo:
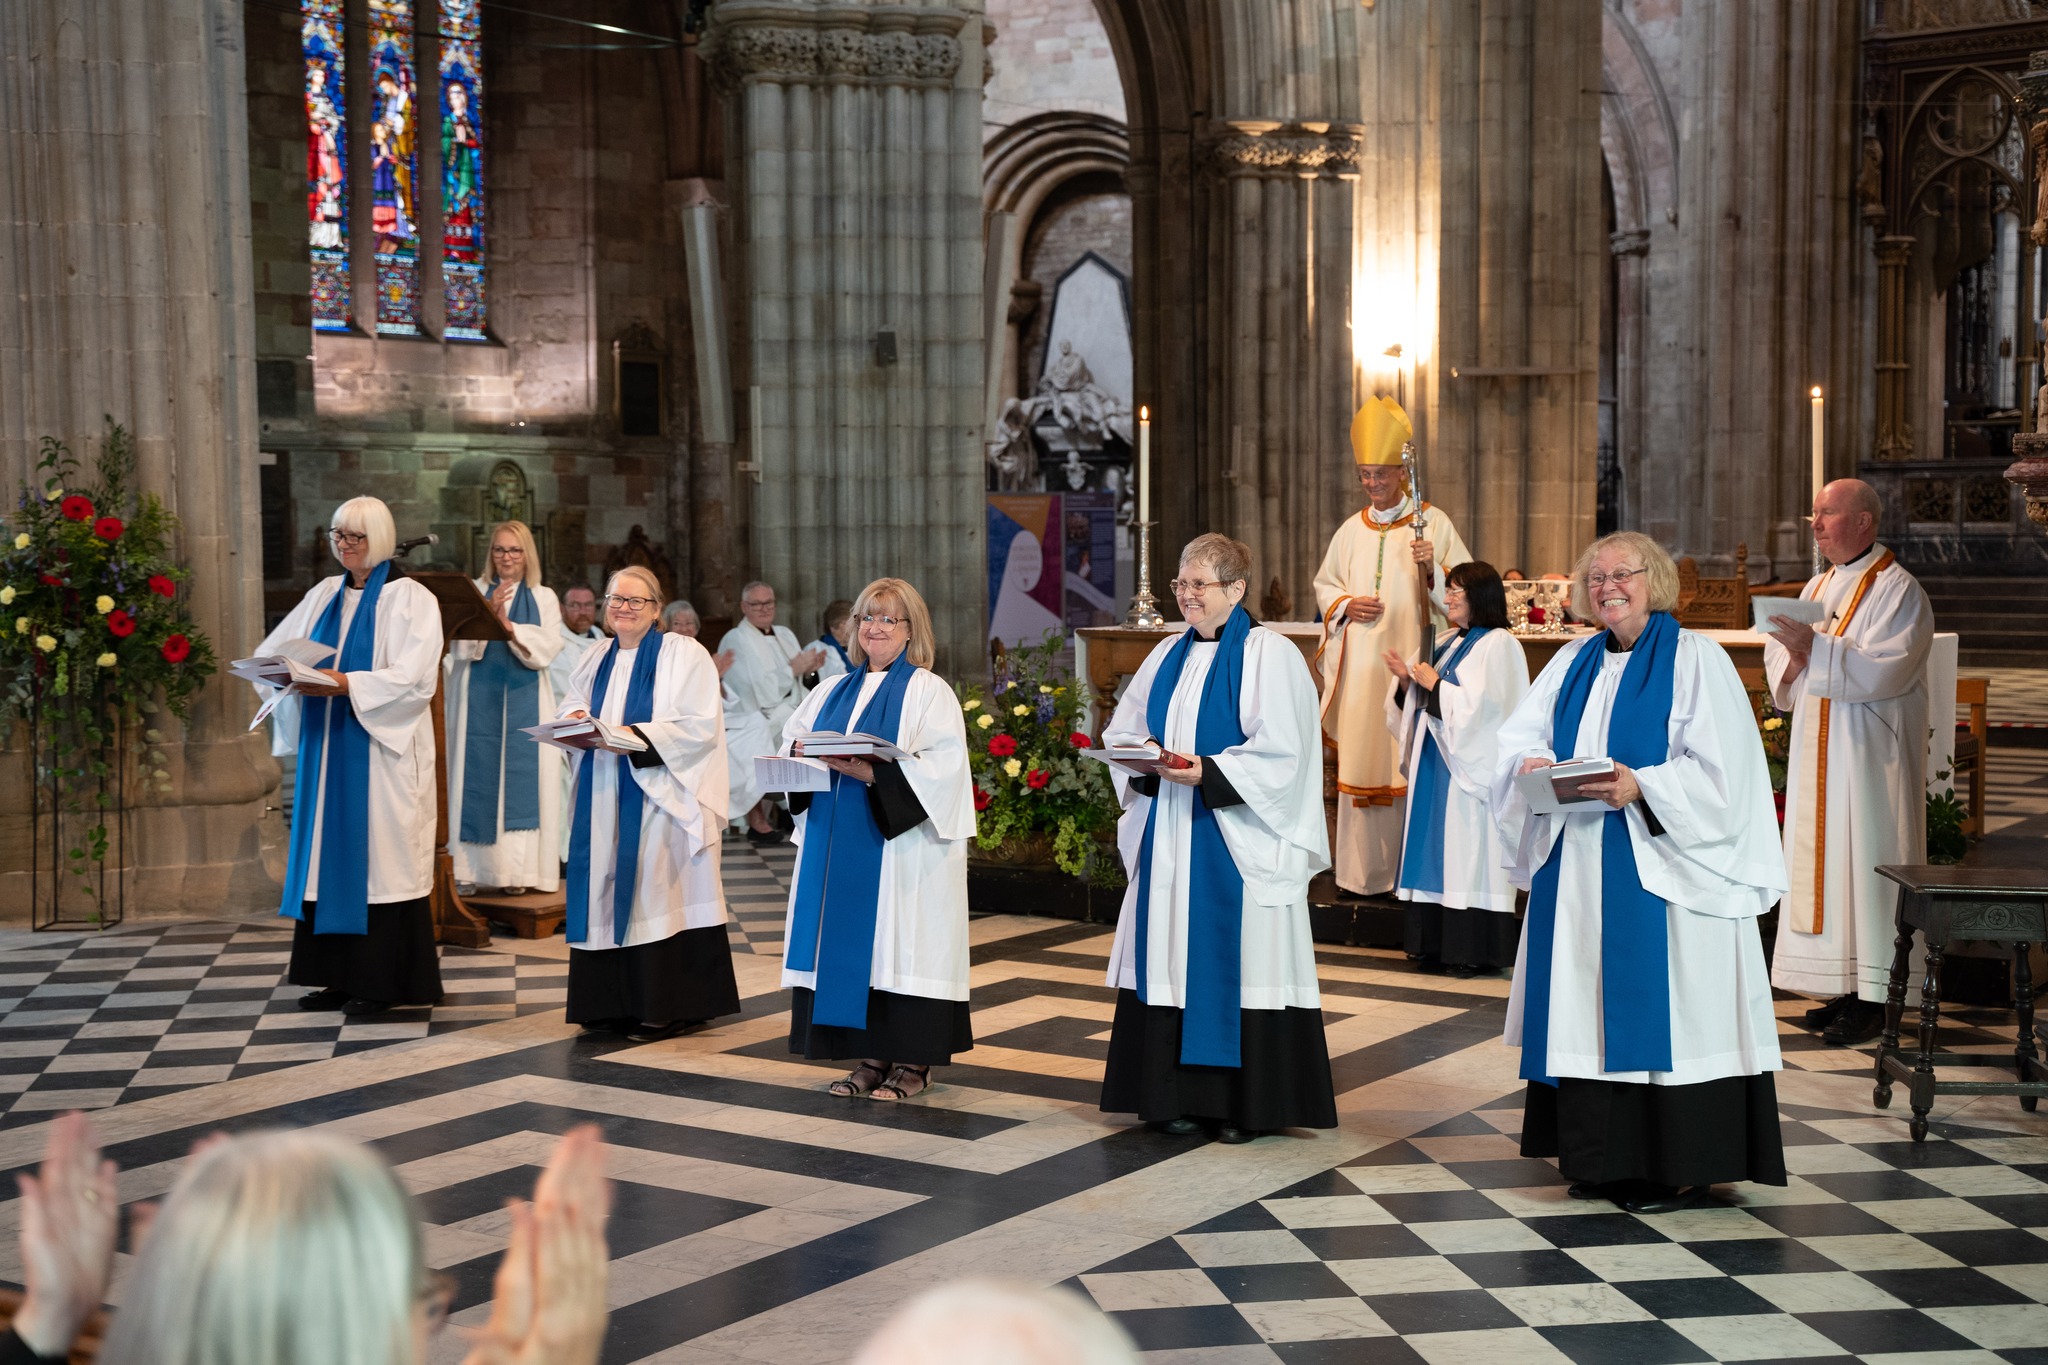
(1859, 1022)
(644, 1032)
(1232, 1134)
(327, 999)
(766, 838)
(1818, 1019)
(1667, 1199)
(1175, 1127)
(1465, 971)
(607, 1025)
(358, 1008)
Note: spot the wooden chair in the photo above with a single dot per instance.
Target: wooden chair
(1971, 744)
(1714, 603)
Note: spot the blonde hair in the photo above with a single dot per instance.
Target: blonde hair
(647, 580)
(296, 1247)
(522, 533)
(907, 604)
(1656, 561)
(1232, 559)
(998, 1322)
(370, 518)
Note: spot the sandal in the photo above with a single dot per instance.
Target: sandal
(904, 1082)
(860, 1081)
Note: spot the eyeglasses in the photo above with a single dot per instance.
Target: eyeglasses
(617, 603)
(886, 622)
(1380, 473)
(348, 540)
(1197, 587)
(1619, 578)
(507, 550)
(435, 1297)
(758, 603)
(1453, 590)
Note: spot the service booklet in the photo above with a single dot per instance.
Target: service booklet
(1147, 758)
(1559, 787)
(782, 773)
(294, 661)
(1798, 608)
(830, 744)
(584, 733)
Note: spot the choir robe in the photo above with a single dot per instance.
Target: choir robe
(675, 962)
(395, 961)
(520, 857)
(1370, 556)
(1476, 924)
(1275, 834)
(747, 736)
(1872, 674)
(760, 676)
(560, 670)
(836, 658)
(1712, 856)
(917, 979)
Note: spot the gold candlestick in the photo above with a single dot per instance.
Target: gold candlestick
(1144, 611)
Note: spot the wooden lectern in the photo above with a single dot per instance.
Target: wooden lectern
(465, 615)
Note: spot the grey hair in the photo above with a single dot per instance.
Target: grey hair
(673, 612)
(998, 1322)
(279, 1248)
(1862, 498)
(371, 518)
(1657, 563)
(752, 584)
(1231, 559)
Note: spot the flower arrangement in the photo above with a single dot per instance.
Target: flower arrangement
(94, 635)
(1026, 737)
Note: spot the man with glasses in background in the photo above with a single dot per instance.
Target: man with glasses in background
(1370, 591)
(767, 678)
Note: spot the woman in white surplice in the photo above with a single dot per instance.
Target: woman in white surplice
(1218, 1013)
(876, 953)
(647, 922)
(505, 791)
(365, 747)
(1641, 1002)
(1446, 717)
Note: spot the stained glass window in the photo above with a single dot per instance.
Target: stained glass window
(394, 167)
(326, 162)
(462, 170)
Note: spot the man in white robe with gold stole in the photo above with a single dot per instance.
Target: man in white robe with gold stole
(1371, 603)
(1855, 785)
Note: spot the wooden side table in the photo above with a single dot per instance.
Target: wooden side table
(1994, 904)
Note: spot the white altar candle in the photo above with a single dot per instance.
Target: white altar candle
(1144, 465)
(1820, 473)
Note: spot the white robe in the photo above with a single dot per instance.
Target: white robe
(833, 665)
(683, 811)
(1717, 867)
(760, 676)
(1874, 678)
(560, 670)
(1276, 837)
(1370, 556)
(921, 910)
(1492, 679)
(747, 737)
(520, 857)
(393, 700)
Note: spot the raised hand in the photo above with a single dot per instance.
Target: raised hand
(548, 1307)
(70, 1213)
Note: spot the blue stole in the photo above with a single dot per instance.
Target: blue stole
(632, 801)
(831, 641)
(839, 877)
(1635, 950)
(344, 801)
(1422, 852)
(502, 693)
(1210, 1022)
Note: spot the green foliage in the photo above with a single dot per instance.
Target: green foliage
(94, 630)
(1025, 739)
(1946, 842)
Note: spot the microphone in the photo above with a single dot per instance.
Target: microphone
(405, 547)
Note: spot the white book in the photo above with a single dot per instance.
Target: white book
(1146, 758)
(584, 733)
(1558, 787)
(779, 773)
(828, 744)
(1805, 612)
(294, 661)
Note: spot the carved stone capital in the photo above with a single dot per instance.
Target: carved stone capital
(833, 44)
(1275, 150)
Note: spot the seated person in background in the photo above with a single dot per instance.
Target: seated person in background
(766, 682)
(746, 736)
(837, 620)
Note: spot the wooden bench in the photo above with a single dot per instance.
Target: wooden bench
(1714, 603)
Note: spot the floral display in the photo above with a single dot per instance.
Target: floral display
(1027, 739)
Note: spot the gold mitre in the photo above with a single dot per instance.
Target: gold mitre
(1379, 431)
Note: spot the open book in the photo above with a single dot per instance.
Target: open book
(1147, 758)
(1799, 609)
(780, 773)
(295, 661)
(1561, 785)
(584, 733)
(829, 744)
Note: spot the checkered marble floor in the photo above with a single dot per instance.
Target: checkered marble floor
(761, 1222)
(2016, 791)
(757, 882)
(2018, 696)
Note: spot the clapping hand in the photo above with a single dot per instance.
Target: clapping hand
(548, 1304)
(806, 661)
(724, 660)
(501, 599)
(70, 1213)
(1398, 666)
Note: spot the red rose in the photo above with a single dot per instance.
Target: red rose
(1080, 741)
(77, 507)
(163, 587)
(1002, 746)
(121, 623)
(981, 799)
(177, 649)
(51, 579)
(108, 528)
(1037, 778)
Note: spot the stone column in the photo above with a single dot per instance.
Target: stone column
(857, 176)
(124, 257)
(1631, 252)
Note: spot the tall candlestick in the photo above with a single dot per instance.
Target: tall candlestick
(1820, 474)
(1144, 464)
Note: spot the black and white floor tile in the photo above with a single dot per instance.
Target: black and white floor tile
(757, 879)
